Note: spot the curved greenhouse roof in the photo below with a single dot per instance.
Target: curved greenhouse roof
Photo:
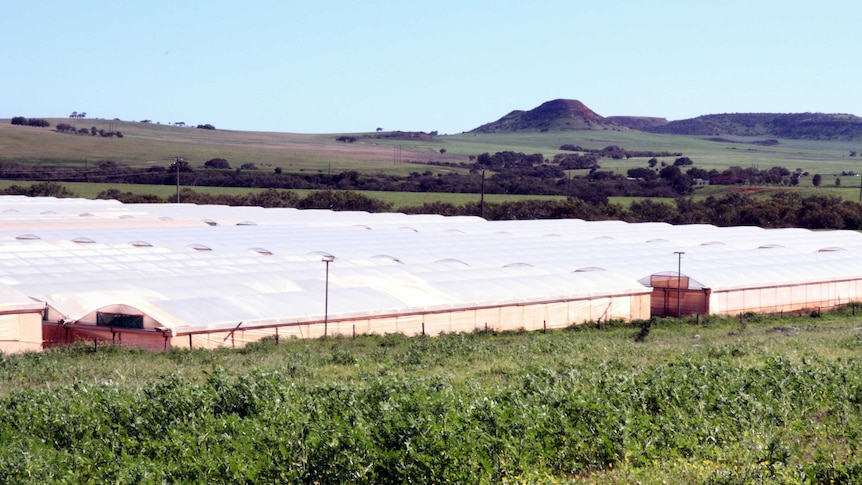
(192, 268)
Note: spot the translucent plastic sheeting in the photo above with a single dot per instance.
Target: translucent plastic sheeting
(189, 266)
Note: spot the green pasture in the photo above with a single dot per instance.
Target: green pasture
(824, 157)
(753, 399)
(149, 144)
(146, 144)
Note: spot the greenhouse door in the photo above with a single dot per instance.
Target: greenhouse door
(672, 297)
(673, 302)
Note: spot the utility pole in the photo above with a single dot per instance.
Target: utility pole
(177, 169)
(482, 197)
(679, 283)
(326, 259)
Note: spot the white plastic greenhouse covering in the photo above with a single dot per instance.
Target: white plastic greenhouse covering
(167, 275)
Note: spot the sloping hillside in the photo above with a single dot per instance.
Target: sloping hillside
(808, 126)
(640, 123)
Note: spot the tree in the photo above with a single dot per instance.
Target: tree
(682, 161)
(42, 189)
(698, 173)
(442, 151)
(816, 180)
(641, 173)
(837, 182)
(653, 162)
(217, 163)
(274, 198)
(379, 129)
(650, 211)
(181, 165)
(341, 200)
(278, 170)
(22, 121)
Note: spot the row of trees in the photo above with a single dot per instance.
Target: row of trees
(787, 209)
(595, 187)
(92, 131)
(523, 180)
(222, 164)
(38, 122)
(618, 153)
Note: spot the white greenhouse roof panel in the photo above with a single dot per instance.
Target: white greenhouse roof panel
(171, 263)
(12, 300)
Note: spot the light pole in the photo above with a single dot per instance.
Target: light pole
(326, 259)
(177, 161)
(482, 197)
(679, 283)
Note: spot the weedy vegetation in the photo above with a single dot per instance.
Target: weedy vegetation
(752, 399)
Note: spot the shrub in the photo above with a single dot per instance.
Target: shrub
(217, 163)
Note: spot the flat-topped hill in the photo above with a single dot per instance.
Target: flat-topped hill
(556, 115)
(806, 126)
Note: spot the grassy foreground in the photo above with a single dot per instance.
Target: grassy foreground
(757, 400)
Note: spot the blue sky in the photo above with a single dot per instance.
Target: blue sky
(346, 66)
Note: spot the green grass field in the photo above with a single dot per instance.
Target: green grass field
(398, 200)
(712, 400)
(146, 144)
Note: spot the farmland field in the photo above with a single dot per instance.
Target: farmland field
(709, 400)
(399, 200)
(148, 144)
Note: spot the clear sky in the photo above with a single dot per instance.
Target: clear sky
(350, 66)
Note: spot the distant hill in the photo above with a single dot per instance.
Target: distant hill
(640, 123)
(556, 115)
(808, 126)
(570, 114)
